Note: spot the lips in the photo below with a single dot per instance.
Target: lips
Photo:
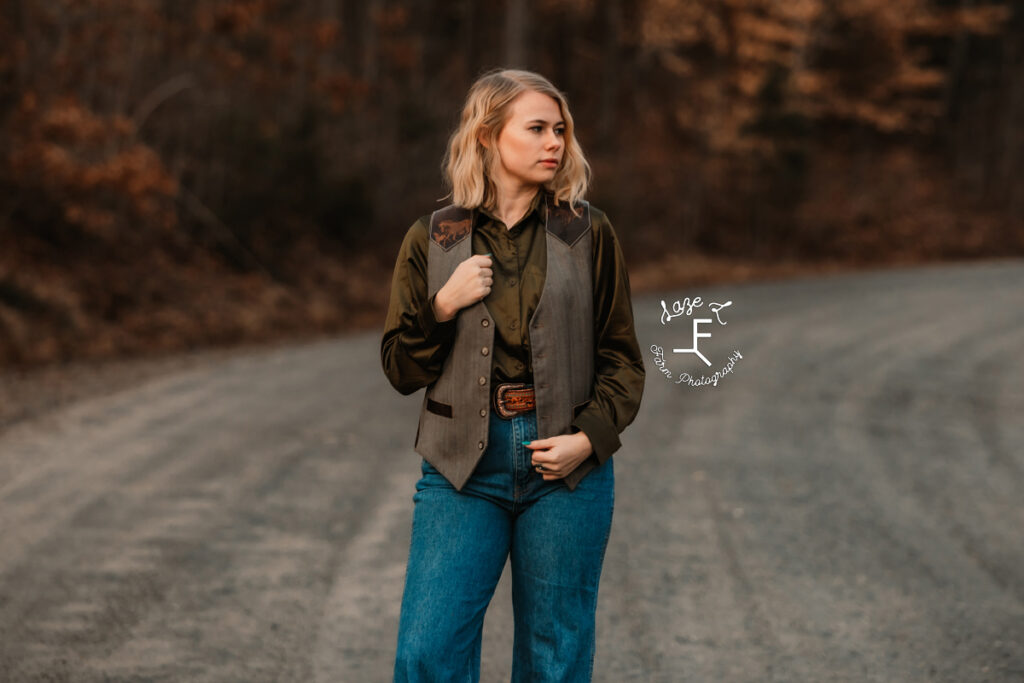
(553, 162)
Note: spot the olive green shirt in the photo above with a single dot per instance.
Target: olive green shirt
(415, 344)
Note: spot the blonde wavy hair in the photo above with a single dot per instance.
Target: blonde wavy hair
(467, 164)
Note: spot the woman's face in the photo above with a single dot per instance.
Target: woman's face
(531, 143)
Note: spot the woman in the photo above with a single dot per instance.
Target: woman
(512, 307)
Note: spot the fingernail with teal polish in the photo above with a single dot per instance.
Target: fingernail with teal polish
(527, 443)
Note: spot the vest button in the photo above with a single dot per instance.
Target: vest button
(482, 380)
(539, 354)
(483, 412)
(514, 324)
(484, 351)
(480, 445)
(512, 282)
(485, 322)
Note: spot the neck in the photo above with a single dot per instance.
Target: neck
(511, 204)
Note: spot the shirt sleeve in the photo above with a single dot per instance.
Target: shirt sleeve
(415, 345)
(618, 364)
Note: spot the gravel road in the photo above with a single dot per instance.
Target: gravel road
(846, 505)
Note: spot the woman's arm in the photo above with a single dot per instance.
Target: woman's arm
(618, 365)
(415, 345)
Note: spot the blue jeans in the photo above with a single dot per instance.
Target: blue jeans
(460, 541)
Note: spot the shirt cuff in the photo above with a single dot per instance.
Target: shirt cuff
(604, 438)
(434, 331)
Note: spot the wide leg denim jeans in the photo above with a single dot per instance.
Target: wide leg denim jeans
(556, 538)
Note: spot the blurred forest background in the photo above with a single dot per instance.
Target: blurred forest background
(176, 174)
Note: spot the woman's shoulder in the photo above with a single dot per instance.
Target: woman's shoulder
(414, 242)
(600, 223)
(419, 229)
(596, 214)
(443, 225)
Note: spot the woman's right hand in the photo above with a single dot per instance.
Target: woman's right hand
(470, 283)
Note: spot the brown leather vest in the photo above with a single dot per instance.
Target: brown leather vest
(453, 425)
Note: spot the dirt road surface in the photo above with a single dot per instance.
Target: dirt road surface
(846, 505)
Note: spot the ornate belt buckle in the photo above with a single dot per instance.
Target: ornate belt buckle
(507, 407)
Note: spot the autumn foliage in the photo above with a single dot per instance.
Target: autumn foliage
(178, 174)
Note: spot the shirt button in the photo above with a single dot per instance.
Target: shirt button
(485, 322)
(480, 445)
(484, 351)
(483, 412)
(482, 380)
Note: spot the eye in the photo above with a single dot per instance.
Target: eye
(537, 128)
(559, 131)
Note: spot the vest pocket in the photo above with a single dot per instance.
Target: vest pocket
(442, 409)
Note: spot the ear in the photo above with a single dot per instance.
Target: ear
(482, 138)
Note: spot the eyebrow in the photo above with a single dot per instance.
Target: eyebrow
(543, 121)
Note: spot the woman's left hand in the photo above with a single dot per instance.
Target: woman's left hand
(560, 455)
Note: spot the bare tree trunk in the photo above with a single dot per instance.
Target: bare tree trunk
(955, 122)
(515, 33)
(421, 17)
(1008, 166)
(609, 10)
(469, 38)
(373, 9)
(329, 11)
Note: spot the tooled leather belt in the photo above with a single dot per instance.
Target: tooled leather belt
(513, 398)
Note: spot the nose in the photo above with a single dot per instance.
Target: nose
(553, 141)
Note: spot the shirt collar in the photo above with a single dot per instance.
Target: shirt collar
(537, 204)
